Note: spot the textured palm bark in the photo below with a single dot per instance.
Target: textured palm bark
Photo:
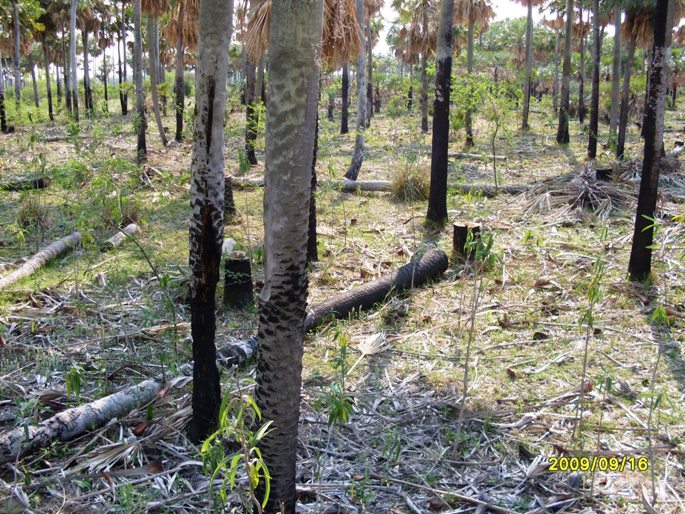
(594, 100)
(468, 118)
(179, 86)
(345, 94)
(562, 130)
(123, 97)
(437, 199)
(250, 112)
(73, 80)
(88, 93)
(358, 155)
(294, 46)
(581, 68)
(640, 265)
(207, 207)
(17, 47)
(140, 122)
(152, 30)
(48, 83)
(529, 65)
(625, 99)
(615, 76)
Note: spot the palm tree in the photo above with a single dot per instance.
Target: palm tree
(437, 200)
(615, 75)
(529, 60)
(17, 44)
(345, 97)
(88, 22)
(123, 95)
(49, 30)
(580, 30)
(140, 122)
(476, 14)
(207, 204)
(3, 115)
(562, 130)
(358, 155)
(294, 41)
(594, 101)
(154, 9)
(555, 25)
(73, 79)
(640, 263)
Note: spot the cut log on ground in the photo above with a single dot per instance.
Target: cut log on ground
(41, 259)
(463, 155)
(460, 238)
(120, 237)
(25, 185)
(77, 420)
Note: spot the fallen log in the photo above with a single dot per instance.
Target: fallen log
(120, 237)
(490, 191)
(41, 259)
(25, 185)
(77, 420)
(350, 186)
(463, 155)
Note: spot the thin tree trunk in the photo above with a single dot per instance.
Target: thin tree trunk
(105, 78)
(555, 84)
(625, 99)
(140, 121)
(563, 136)
(179, 87)
(251, 113)
(86, 73)
(17, 43)
(67, 73)
(437, 200)
(312, 242)
(468, 122)
(207, 201)
(358, 156)
(424, 92)
(3, 116)
(640, 265)
(152, 27)
(581, 70)
(73, 79)
(32, 67)
(124, 99)
(293, 92)
(46, 63)
(369, 75)
(615, 77)
(410, 93)
(58, 83)
(345, 94)
(594, 101)
(529, 65)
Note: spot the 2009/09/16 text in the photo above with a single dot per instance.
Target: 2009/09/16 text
(598, 463)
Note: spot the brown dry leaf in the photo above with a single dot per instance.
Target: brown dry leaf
(139, 429)
(511, 373)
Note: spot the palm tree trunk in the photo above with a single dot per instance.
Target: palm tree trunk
(345, 94)
(86, 73)
(437, 199)
(369, 75)
(124, 96)
(152, 27)
(58, 84)
(312, 242)
(67, 72)
(424, 92)
(34, 82)
(555, 84)
(640, 265)
(73, 79)
(562, 130)
(251, 114)
(594, 102)
(3, 116)
(410, 93)
(207, 201)
(293, 92)
(529, 65)
(581, 70)
(358, 156)
(179, 86)
(140, 122)
(615, 77)
(17, 42)
(625, 99)
(468, 122)
(105, 78)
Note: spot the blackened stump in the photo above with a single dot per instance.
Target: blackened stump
(238, 282)
(460, 237)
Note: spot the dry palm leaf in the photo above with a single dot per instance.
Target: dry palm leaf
(371, 345)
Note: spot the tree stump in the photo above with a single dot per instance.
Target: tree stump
(604, 174)
(238, 282)
(462, 229)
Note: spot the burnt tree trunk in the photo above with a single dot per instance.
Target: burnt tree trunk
(345, 94)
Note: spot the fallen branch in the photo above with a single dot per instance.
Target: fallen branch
(41, 259)
(25, 185)
(120, 237)
(462, 155)
(73, 422)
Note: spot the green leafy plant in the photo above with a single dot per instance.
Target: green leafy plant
(73, 381)
(336, 400)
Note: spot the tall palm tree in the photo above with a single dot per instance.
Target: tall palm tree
(562, 130)
(580, 30)
(294, 41)
(358, 155)
(207, 204)
(529, 60)
(123, 95)
(640, 264)
(73, 79)
(555, 25)
(615, 75)
(17, 49)
(88, 22)
(154, 9)
(140, 122)
(594, 101)
(49, 30)
(437, 200)
(345, 97)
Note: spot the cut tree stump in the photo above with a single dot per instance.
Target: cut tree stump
(25, 185)
(462, 231)
(120, 237)
(41, 259)
(77, 420)
(238, 281)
